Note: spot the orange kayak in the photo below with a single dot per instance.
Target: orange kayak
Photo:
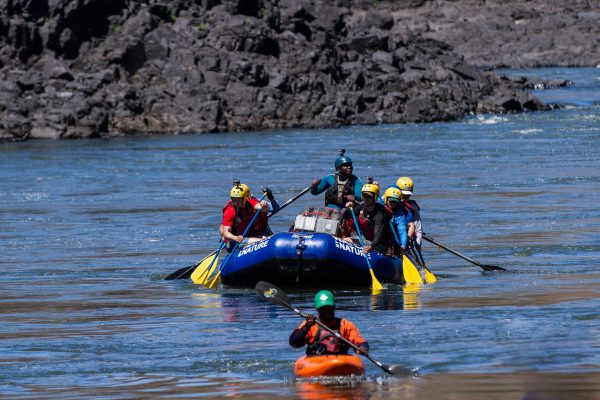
(330, 365)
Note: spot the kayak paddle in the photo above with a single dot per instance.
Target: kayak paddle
(485, 267)
(275, 295)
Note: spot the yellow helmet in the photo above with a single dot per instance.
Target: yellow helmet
(240, 191)
(392, 194)
(371, 188)
(406, 185)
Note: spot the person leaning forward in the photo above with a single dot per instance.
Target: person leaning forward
(340, 187)
(321, 342)
(373, 219)
(238, 213)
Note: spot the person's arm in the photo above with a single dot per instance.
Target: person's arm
(358, 190)
(401, 228)
(298, 338)
(418, 234)
(411, 229)
(378, 230)
(350, 332)
(262, 206)
(228, 235)
(320, 187)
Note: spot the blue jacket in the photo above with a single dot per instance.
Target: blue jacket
(399, 226)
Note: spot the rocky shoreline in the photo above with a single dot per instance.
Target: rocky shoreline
(101, 68)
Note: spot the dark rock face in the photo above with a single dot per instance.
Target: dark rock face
(531, 33)
(97, 68)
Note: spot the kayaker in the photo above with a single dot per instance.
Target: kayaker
(238, 213)
(319, 340)
(407, 186)
(340, 187)
(373, 219)
(401, 219)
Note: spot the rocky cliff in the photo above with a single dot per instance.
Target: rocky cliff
(98, 68)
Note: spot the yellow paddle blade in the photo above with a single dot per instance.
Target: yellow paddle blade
(377, 287)
(429, 276)
(214, 281)
(410, 272)
(201, 273)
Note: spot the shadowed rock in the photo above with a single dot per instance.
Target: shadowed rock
(98, 68)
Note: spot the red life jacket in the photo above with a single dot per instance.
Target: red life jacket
(327, 343)
(243, 218)
(411, 205)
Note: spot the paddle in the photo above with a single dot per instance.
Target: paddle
(206, 267)
(186, 272)
(290, 201)
(485, 267)
(212, 283)
(429, 276)
(409, 271)
(275, 295)
(377, 287)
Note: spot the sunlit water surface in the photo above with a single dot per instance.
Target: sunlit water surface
(90, 228)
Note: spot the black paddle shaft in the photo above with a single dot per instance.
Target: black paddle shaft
(290, 201)
(181, 273)
(273, 294)
(485, 267)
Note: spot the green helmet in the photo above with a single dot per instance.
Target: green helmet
(324, 298)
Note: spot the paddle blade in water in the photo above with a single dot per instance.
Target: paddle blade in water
(410, 272)
(377, 286)
(213, 283)
(181, 273)
(399, 371)
(488, 267)
(205, 268)
(429, 276)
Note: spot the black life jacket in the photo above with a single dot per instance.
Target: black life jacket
(338, 192)
(327, 343)
(366, 219)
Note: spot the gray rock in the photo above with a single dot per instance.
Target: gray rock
(100, 68)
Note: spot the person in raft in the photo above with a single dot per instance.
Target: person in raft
(407, 187)
(373, 219)
(340, 187)
(402, 220)
(238, 213)
(319, 340)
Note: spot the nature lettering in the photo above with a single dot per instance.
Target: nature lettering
(351, 248)
(253, 247)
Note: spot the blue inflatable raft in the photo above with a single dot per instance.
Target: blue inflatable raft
(308, 259)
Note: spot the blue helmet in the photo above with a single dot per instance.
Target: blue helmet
(342, 159)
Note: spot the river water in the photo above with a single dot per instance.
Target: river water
(89, 228)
